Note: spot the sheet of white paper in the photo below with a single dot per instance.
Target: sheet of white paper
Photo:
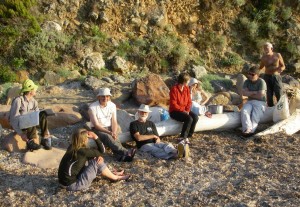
(29, 120)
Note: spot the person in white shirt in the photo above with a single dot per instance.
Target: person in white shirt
(103, 117)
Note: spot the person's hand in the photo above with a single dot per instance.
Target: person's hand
(279, 70)
(99, 159)
(186, 112)
(114, 135)
(208, 114)
(24, 137)
(92, 135)
(157, 139)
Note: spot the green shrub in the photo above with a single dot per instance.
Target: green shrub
(251, 27)
(231, 59)
(64, 72)
(123, 49)
(45, 47)
(286, 13)
(272, 28)
(18, 62)
(207, 79)
(7, 75)
(240, 2)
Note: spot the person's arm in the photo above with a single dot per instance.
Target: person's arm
(96, 123)
(281, 66)
(189, 102)
(204, 97)
(114, 125)
(13, 116)
(258, 95)
(99, 144)
(262, 64)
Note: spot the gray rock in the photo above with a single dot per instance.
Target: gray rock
(107, 79)
(198, 71)
(52, 78)
(119, 64)
(94, 61)
(94, 83)
(103, 17)
(52, 26)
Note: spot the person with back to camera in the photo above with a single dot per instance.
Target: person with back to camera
(274, 65)
(255, 89)
(103, 116)
(180, 107)
(199, 98)
(73, 172)
(22, 105)
(145, 134)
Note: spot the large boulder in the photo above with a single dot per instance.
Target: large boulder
(239, 83)
(14, 143)
(4, 110)
(66, 114)
(13, 92)
(44, 158)
(151, 90)
(124, 119)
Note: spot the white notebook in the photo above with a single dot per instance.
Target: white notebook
(29, 120)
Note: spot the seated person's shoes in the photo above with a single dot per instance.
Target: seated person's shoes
(31, 145)
(46, 143)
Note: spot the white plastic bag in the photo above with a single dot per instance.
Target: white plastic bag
(281, 110)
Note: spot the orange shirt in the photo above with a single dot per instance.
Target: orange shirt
(180, 100)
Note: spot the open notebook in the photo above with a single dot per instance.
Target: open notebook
(32, 118)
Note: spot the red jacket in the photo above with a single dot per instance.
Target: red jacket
(180, 100)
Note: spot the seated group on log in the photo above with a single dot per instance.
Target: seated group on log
(81, 164)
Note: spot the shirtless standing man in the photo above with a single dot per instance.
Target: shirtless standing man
(274, 65)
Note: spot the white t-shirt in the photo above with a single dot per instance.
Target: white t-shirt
(103, 114)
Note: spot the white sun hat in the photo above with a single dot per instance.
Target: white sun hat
(104, 92)
(144, 108)
(193, 81)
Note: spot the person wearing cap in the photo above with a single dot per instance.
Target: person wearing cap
(26, 103)
(144, 133)
(180, 107)
(255, 89)
(273, 64)
(199, 98)
(103, 117)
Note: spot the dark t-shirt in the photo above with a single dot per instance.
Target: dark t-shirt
(69, 168)
(144, 128)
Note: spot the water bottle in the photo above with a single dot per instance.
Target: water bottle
(164, 115)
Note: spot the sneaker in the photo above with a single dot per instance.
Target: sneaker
(186, 150)
(46, 143)
(180, 150)
(31, 145)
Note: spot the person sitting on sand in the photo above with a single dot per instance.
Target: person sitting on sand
(22, 105)
(199, 98)
(180, 107)
(73, 173)
(144, 133)
(255, 89)
(103, 116)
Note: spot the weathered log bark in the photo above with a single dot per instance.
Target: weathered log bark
(217, 122)
(290, 126)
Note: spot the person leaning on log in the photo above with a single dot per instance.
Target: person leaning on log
(255, 89)
(199, 98)
(73, 173)
(103, 116)
(24, 104)
(145, 134)
(180, 107)
(274, 65)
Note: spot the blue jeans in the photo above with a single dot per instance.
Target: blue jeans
(87, 175)
(160, 150)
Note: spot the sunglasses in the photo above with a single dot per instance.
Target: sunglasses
(252, 74)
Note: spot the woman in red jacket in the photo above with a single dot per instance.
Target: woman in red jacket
(180, 107)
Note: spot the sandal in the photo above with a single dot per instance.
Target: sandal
(123, 177)
(132, 152)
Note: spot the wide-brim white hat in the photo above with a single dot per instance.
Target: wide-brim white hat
(144, 108)
(193, 81)
(104, 92)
